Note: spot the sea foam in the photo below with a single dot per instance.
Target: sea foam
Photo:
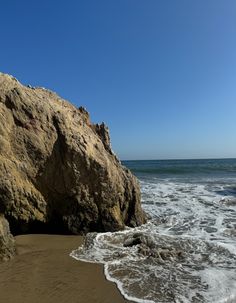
(185, 215)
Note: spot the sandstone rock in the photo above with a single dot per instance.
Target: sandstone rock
(148, 248)
(132, 241)
(7, 244)
(139, 238)
(57, 170)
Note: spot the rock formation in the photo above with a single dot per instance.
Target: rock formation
(57, 170)
(7, 244)
(148, 248)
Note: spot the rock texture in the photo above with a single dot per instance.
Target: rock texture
(57, 170)
(7, 244)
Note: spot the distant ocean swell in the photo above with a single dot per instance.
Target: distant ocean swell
(195, 167)
(181, 171)
(192, 212)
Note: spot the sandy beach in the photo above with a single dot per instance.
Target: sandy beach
(43, 271)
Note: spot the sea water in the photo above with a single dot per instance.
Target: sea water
(191, 206)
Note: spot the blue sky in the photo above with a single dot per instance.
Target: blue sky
(160, 73)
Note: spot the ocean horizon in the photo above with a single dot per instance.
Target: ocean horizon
(180, 159)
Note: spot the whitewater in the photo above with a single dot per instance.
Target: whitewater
(191, 206)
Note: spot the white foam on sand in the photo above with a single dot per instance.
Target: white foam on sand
(221, 285)
(187, 216)
(141, 279)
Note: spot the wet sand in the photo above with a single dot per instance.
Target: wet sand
(44, 272)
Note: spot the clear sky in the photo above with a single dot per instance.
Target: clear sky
(160, 73)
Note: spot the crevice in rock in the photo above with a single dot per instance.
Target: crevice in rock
(20, 227)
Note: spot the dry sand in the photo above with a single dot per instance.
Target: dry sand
(44, 272)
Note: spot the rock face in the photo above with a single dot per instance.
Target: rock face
(7, 244)
(57, 170)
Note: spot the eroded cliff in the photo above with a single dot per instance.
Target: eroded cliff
(57, 170)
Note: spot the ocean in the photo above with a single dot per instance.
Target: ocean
(191, 205)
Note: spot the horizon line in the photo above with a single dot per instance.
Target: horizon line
(176, 159)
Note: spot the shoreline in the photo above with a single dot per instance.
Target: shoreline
(43, 271)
